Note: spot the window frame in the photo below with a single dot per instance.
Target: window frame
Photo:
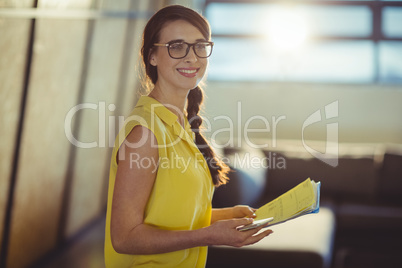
(376, 36)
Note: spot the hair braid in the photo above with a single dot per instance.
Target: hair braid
(217, 167)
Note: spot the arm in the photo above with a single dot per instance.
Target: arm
(132, 189)
(239, 211)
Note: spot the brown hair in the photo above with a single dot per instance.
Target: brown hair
(217, 167)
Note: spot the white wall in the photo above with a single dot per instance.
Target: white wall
(366, 113)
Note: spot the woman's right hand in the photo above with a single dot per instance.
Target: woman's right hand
(225, 232)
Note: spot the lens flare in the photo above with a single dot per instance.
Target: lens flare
(287, 28)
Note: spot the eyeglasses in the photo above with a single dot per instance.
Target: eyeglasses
(179, 50)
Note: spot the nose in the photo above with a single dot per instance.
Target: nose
(191, 57)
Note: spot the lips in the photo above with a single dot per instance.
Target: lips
(188, 72)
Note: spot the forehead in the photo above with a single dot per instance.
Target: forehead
(180, 29)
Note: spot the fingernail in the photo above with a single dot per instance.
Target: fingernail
(254, 215)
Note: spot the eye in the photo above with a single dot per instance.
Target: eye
(201, 46)
(177, 46)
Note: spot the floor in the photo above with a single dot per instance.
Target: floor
(85, 252)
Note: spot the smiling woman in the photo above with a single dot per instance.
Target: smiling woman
(163, 171)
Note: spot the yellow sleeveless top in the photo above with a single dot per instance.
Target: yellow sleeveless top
(182, 193)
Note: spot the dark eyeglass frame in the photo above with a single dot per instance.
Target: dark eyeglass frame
(189, 45)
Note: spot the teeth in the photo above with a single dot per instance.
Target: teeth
(187, 71)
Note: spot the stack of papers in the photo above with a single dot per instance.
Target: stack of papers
(301, 200)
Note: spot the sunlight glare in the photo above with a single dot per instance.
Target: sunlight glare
(287, 28)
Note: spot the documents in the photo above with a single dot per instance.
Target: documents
(301, 200)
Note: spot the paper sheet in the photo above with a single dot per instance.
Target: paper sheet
(290, 204)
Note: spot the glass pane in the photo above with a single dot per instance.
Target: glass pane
(341, 20)
(390, 61)
(392, 21)
(236, 18)
(239, 59)
(321, 20)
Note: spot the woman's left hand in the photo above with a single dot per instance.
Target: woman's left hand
(241, 211)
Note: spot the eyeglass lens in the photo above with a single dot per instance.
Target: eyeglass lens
(180, 50)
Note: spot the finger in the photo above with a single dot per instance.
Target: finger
(266, 233)
(252, 212)
(241, 221)
(248, 212)
(255, 238)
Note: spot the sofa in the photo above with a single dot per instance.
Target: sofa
(360, 220)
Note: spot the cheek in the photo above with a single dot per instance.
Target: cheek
(167, 65)
(204, 65)
(162, 58)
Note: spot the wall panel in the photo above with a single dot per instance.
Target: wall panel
(90, 172)
(131, 87)
(16, 4)
(52, 91)
(14, 38)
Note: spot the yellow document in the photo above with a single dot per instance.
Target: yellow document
(302, 199)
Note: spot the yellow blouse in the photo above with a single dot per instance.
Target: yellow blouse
(182, 193)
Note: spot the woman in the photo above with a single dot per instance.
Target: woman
(163, 171)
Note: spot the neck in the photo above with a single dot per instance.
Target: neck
(173, 100)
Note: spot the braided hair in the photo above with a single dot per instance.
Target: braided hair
(217, 167)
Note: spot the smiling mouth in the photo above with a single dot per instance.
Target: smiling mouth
(188, 72)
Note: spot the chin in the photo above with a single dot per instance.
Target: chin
(190, 86)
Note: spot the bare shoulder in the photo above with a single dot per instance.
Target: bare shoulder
(140, 142)
(134, 174)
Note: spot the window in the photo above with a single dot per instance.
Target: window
(311, 41)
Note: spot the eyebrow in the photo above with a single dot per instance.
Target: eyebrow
(182, 40)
